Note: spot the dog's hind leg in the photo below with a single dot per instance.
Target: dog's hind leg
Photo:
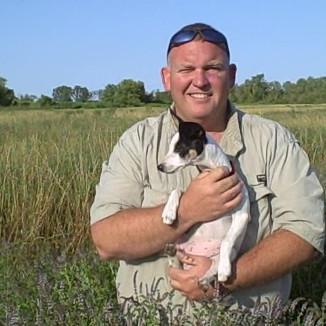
(231, 244)
(210, 275)
(233, 239)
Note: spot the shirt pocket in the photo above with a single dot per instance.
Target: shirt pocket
(258, 191)
(260, 224)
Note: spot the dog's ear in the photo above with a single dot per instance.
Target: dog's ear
(192, 154)
(201, 133)
(191, 130)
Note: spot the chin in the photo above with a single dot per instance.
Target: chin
(200, 112)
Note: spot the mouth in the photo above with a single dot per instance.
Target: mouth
(200, 96)
(167, 168)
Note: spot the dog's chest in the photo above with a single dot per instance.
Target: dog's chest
(215, 229)
(205, 240)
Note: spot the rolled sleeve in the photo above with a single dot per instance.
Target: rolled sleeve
(298, 204)
(120, 184)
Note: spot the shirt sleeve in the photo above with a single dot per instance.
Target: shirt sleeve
(298, 203)
(120, 184)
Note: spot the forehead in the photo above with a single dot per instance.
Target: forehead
(197, 51)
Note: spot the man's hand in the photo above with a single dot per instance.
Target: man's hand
(211, 195)
(186, 280)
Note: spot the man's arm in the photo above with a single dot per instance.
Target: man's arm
(134, 233)
(275, 256)
(139, 232)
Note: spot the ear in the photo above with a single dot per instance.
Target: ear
(192, 154)
(232, 74)
(165, 75)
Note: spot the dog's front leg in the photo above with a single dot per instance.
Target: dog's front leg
(169, 215)
(170, 210)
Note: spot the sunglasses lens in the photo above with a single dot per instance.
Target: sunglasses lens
(182, 37)
(209, 35)
(213, 36)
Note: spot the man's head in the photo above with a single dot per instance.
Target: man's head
(199, 75)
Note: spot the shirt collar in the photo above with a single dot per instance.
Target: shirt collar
(232, 142)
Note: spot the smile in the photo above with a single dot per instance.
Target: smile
(199, 95)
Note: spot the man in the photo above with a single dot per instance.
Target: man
(286, 228)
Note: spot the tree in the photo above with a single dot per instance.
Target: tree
(275, 93)
(80, 94)
(6, 95)
(26, 100)
(126, 93)
(257, 88)
(62, 94)
(254, 90)
(108, 94)
(45, 101)
(131, 93)
(162, 97)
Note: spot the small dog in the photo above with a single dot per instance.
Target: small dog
(219, 239)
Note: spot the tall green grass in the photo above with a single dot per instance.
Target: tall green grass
(50, 163)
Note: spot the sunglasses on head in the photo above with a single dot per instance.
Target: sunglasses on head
(207, 34)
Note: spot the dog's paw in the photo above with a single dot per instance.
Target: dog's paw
(224, 271)
(168, 216)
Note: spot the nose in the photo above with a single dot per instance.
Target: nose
(160, 167)
(200, 79)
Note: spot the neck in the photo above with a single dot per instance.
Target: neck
(215, 124)
(216, 135)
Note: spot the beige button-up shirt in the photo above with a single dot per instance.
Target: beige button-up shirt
(284, 194)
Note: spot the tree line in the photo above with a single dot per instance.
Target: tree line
(258, 90)
(128, 92)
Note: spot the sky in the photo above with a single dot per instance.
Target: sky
(92, 43)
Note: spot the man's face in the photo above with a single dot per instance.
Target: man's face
(199, 77)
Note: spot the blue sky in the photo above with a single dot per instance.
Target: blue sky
(48, 43)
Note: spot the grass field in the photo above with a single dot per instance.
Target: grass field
(49, 165)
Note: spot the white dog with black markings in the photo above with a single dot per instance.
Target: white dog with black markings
(219, 239)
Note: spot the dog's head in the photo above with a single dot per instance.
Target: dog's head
(185, 147)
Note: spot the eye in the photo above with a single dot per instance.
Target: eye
(186, 69)
(217, 67)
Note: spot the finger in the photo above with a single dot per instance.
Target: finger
(204, 174)
(177, 274)
(175, 284)
(218, 173)
(232, 192)
(185, 285)
(235, 202)
(185, 258)
(227, 183)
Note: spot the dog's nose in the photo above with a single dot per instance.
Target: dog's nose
(160, 167)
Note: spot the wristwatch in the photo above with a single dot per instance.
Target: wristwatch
(220, 290)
